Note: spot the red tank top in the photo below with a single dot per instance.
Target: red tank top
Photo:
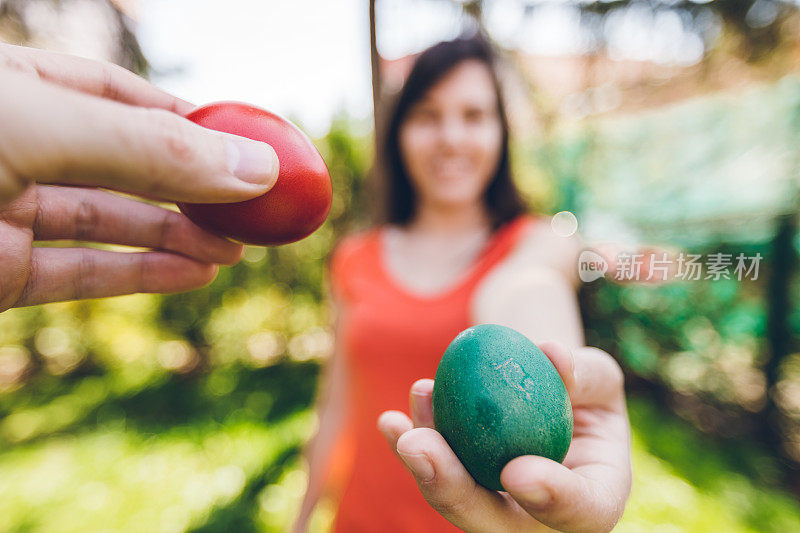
(391, 338)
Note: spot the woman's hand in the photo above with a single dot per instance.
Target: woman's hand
(71, 121)
(586, 493)
(645, 265)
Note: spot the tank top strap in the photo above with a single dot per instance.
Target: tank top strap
(351, 258)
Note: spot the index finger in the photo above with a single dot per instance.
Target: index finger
(99, 216)
(591, 376)
(420, 400)
(96, 78)
(599, 380)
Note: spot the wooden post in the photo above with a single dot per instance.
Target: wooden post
(376, 67)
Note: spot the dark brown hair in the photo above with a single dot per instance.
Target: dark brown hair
(501, 197)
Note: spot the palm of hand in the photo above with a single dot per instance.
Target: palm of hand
(586, 493)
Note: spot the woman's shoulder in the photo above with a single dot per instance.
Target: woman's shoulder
(352, 251)
(522, 223)
(350, 260)
(529, 220)
(518, 230)
(354, 243)
(541, 244)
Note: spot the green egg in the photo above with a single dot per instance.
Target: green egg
(497, 396)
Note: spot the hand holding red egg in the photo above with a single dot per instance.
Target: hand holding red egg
(301, 198)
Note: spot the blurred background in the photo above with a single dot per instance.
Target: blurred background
(674, 122)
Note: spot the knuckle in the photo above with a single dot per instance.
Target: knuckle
(110, 86)
(166, 227)
(86, 272)
(448, 506)
(10, 61)
(11, 183)
(145, 271)
(454, 504)
(27, 289)
(87, 218)
(171, 135)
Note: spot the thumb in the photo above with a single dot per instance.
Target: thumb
(558, 497)
(54, 135)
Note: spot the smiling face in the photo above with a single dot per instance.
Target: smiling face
(451, 139)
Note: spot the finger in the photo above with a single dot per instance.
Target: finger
(97, 78)
(591, 376)
(599, 381)
(420, 400)
(393, 424)
(564, 361)
(54, 135)
(98, 216)
(448, 487)
(60, 274)
(561, 498)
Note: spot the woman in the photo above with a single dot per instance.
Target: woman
(406, 288)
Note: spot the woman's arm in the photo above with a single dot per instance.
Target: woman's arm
(534, 290)
(534, 293)
(332, 414)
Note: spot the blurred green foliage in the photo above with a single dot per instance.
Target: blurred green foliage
(697, 337)
(188, 412)
(177, 411)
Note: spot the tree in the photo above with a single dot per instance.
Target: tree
(21, 23)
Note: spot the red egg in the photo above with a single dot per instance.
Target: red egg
(296, 205)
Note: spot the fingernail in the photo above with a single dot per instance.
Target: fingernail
(419, 464)
(252, 161)
(419, 397)
(538, 496)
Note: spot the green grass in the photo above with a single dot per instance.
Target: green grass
(178, 458)
(119, 480)
(687, 481)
